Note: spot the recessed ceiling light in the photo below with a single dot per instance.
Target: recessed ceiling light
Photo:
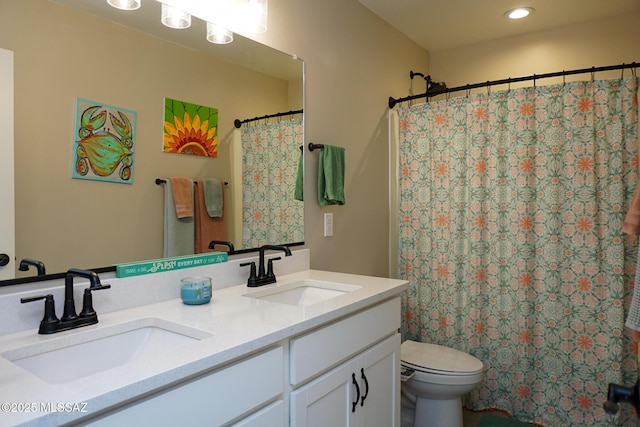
(519, 13)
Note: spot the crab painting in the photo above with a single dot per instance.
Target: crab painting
(101, 151)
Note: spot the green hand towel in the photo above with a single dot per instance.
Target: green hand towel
(213, 197)
(331, 176)
(298, 193)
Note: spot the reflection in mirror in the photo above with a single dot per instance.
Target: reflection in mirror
(131, 61)
(272, 170)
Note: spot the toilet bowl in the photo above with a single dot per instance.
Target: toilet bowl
(439, 377)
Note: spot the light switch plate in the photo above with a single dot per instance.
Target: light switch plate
(328, 225)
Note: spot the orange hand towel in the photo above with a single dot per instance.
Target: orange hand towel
(206, 228)
(631, 224)
(182, 196)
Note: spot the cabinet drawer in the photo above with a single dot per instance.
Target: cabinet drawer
(211, 400)
(315, 352)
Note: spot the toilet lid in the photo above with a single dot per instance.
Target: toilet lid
(433, 357)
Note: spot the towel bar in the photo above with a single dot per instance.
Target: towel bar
(162, 181)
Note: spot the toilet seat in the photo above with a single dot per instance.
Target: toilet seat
(438, 360)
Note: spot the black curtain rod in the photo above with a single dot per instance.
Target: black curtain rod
(534, 77)
(162, 181)
(238, 122)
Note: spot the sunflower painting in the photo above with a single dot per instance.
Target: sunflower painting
(190, 129)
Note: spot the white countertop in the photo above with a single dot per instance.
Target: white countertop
(238, 325)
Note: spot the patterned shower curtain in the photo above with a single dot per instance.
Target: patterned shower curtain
(270, 156)
(510, 214)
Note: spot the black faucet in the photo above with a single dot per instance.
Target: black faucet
(70, 319)
(39, 265)
(262, 277)
(618, 393)
(213, 243)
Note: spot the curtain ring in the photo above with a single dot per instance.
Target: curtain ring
(468, 91)
(564, 78)
(593, 74)
(622, 72)
(488, 88)
(509, 85)
(534, 81)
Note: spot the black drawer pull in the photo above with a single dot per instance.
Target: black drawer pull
(366, 385)
(354, 404)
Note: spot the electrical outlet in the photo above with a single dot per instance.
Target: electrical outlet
(328, 225)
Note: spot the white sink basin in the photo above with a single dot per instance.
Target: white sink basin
(68, 358)
(302, 292)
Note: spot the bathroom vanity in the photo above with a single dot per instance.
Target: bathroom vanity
(316, 348)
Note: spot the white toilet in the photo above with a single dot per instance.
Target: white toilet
(441, 377)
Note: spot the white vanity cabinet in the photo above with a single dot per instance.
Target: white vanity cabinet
(345, 373)
(349, 371)
(214, 399)
(362, 392)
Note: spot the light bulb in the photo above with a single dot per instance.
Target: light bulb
(125, 4)
(519, 13)
(175, 18)
(218, 35)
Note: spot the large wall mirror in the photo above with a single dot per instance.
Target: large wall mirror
(70, 49)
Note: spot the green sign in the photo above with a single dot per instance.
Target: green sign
(168, 264)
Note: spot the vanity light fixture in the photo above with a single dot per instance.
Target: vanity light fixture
(175, 18)
(519, 13)
(222, 16)
(125, 4)
(218, 34)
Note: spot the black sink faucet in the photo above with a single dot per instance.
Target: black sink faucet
(264, 277)
(39, 265)
(213, 243)
(69, 312)
(70, 319)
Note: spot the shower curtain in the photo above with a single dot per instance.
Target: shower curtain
(510, 212)
(270, 156)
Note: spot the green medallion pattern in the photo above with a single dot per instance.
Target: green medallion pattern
(511, 208)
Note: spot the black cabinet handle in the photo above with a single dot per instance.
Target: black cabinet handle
(355, 383)
(4, 260)
(366, 385)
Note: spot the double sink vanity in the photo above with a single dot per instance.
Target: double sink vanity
(314, 349)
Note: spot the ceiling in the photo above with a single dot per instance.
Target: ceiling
(438, 25)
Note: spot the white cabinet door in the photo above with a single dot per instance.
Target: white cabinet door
(327, 400)
(379, 376)
(364, 392)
